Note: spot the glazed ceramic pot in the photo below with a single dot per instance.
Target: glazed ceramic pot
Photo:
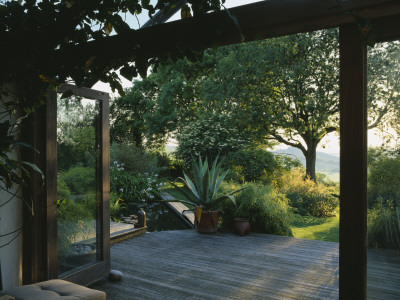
(241, 226)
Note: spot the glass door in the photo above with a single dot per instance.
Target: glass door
(384, 170)
(82, 184)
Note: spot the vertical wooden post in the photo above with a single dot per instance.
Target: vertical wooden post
(353, 165)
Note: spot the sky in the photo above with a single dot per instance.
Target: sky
(330, 144)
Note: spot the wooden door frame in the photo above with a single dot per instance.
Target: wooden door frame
(353, 152)
(40, 255)
(102, 267)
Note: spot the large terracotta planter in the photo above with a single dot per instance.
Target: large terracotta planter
(208, 222)
(241, 226)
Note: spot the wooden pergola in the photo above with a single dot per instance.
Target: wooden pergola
(357, 20)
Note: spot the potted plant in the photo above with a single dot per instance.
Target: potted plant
(202, 193)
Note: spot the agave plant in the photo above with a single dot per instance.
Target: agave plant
(204, 188)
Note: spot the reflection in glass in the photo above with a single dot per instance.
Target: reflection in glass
(77, 192)
(384, 170)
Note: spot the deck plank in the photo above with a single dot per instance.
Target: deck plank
(179, 208)
(184, 264)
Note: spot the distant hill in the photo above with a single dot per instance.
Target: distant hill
(326, 163)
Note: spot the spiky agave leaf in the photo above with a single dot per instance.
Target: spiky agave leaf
(204, 193)
(188, 195)
(190, 185)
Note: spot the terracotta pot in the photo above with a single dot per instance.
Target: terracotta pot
(241, 226)
(208, 222)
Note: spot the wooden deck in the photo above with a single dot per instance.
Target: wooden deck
(188, 265)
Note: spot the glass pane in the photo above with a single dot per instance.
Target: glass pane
(77, 189)
(384, 171)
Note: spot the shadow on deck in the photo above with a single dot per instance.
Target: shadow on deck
(187, 265)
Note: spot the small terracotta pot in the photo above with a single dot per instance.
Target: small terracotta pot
(241, 226)
(208, 222)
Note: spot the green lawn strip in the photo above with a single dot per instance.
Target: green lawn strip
(323, 229)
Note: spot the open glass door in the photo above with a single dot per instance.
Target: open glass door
(384, 170)
(82, 184)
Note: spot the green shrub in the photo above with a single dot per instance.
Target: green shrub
(117, 206)
(383, 178)
(384, 225)
(210, 134)
(266, 209)
(80, 180)
(252, 166)
(74, 220)
(307, 196)
(133, 158)
(135, 189)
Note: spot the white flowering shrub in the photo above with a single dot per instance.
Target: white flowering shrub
(134, 188)
(209, 135)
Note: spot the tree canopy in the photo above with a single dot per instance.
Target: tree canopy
(283, 90)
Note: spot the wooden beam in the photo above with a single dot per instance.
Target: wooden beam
(245, 23)
(353, 165)
(385, 28)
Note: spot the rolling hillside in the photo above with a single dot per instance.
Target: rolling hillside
(326, 163)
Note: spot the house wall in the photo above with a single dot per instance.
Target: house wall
(11, 219)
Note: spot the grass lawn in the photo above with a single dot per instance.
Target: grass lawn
(323, 229)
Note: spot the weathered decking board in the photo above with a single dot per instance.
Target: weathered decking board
(188, 265)
(180, 209)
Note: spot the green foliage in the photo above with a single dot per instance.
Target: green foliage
(384, 87)
(133, 158)
(12, 170)
(209, 135)
(253, 166)
(117, 206)
(203, 191)
(307, 196)
(266, 209)
(130, 116)
(384, 225)
(134, 188)
(72, 39)
(383, 177)
(73, 219)
(76, 133)
(80, 180)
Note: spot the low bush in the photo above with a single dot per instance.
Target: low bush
(134, 188)
(74, 220)
(133, 158)
(383, 177)
(307, 196)
(384, 225)
(80, 180)
(251, 166)
(266, 209)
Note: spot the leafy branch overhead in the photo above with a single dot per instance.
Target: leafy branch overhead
(57, 40)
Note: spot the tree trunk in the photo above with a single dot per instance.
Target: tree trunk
(311, 157)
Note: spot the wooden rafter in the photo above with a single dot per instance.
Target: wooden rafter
(245, 23)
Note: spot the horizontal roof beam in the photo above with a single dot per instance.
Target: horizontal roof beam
(259, 20)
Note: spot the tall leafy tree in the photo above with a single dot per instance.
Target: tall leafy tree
(384, 88)
(285, 89)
